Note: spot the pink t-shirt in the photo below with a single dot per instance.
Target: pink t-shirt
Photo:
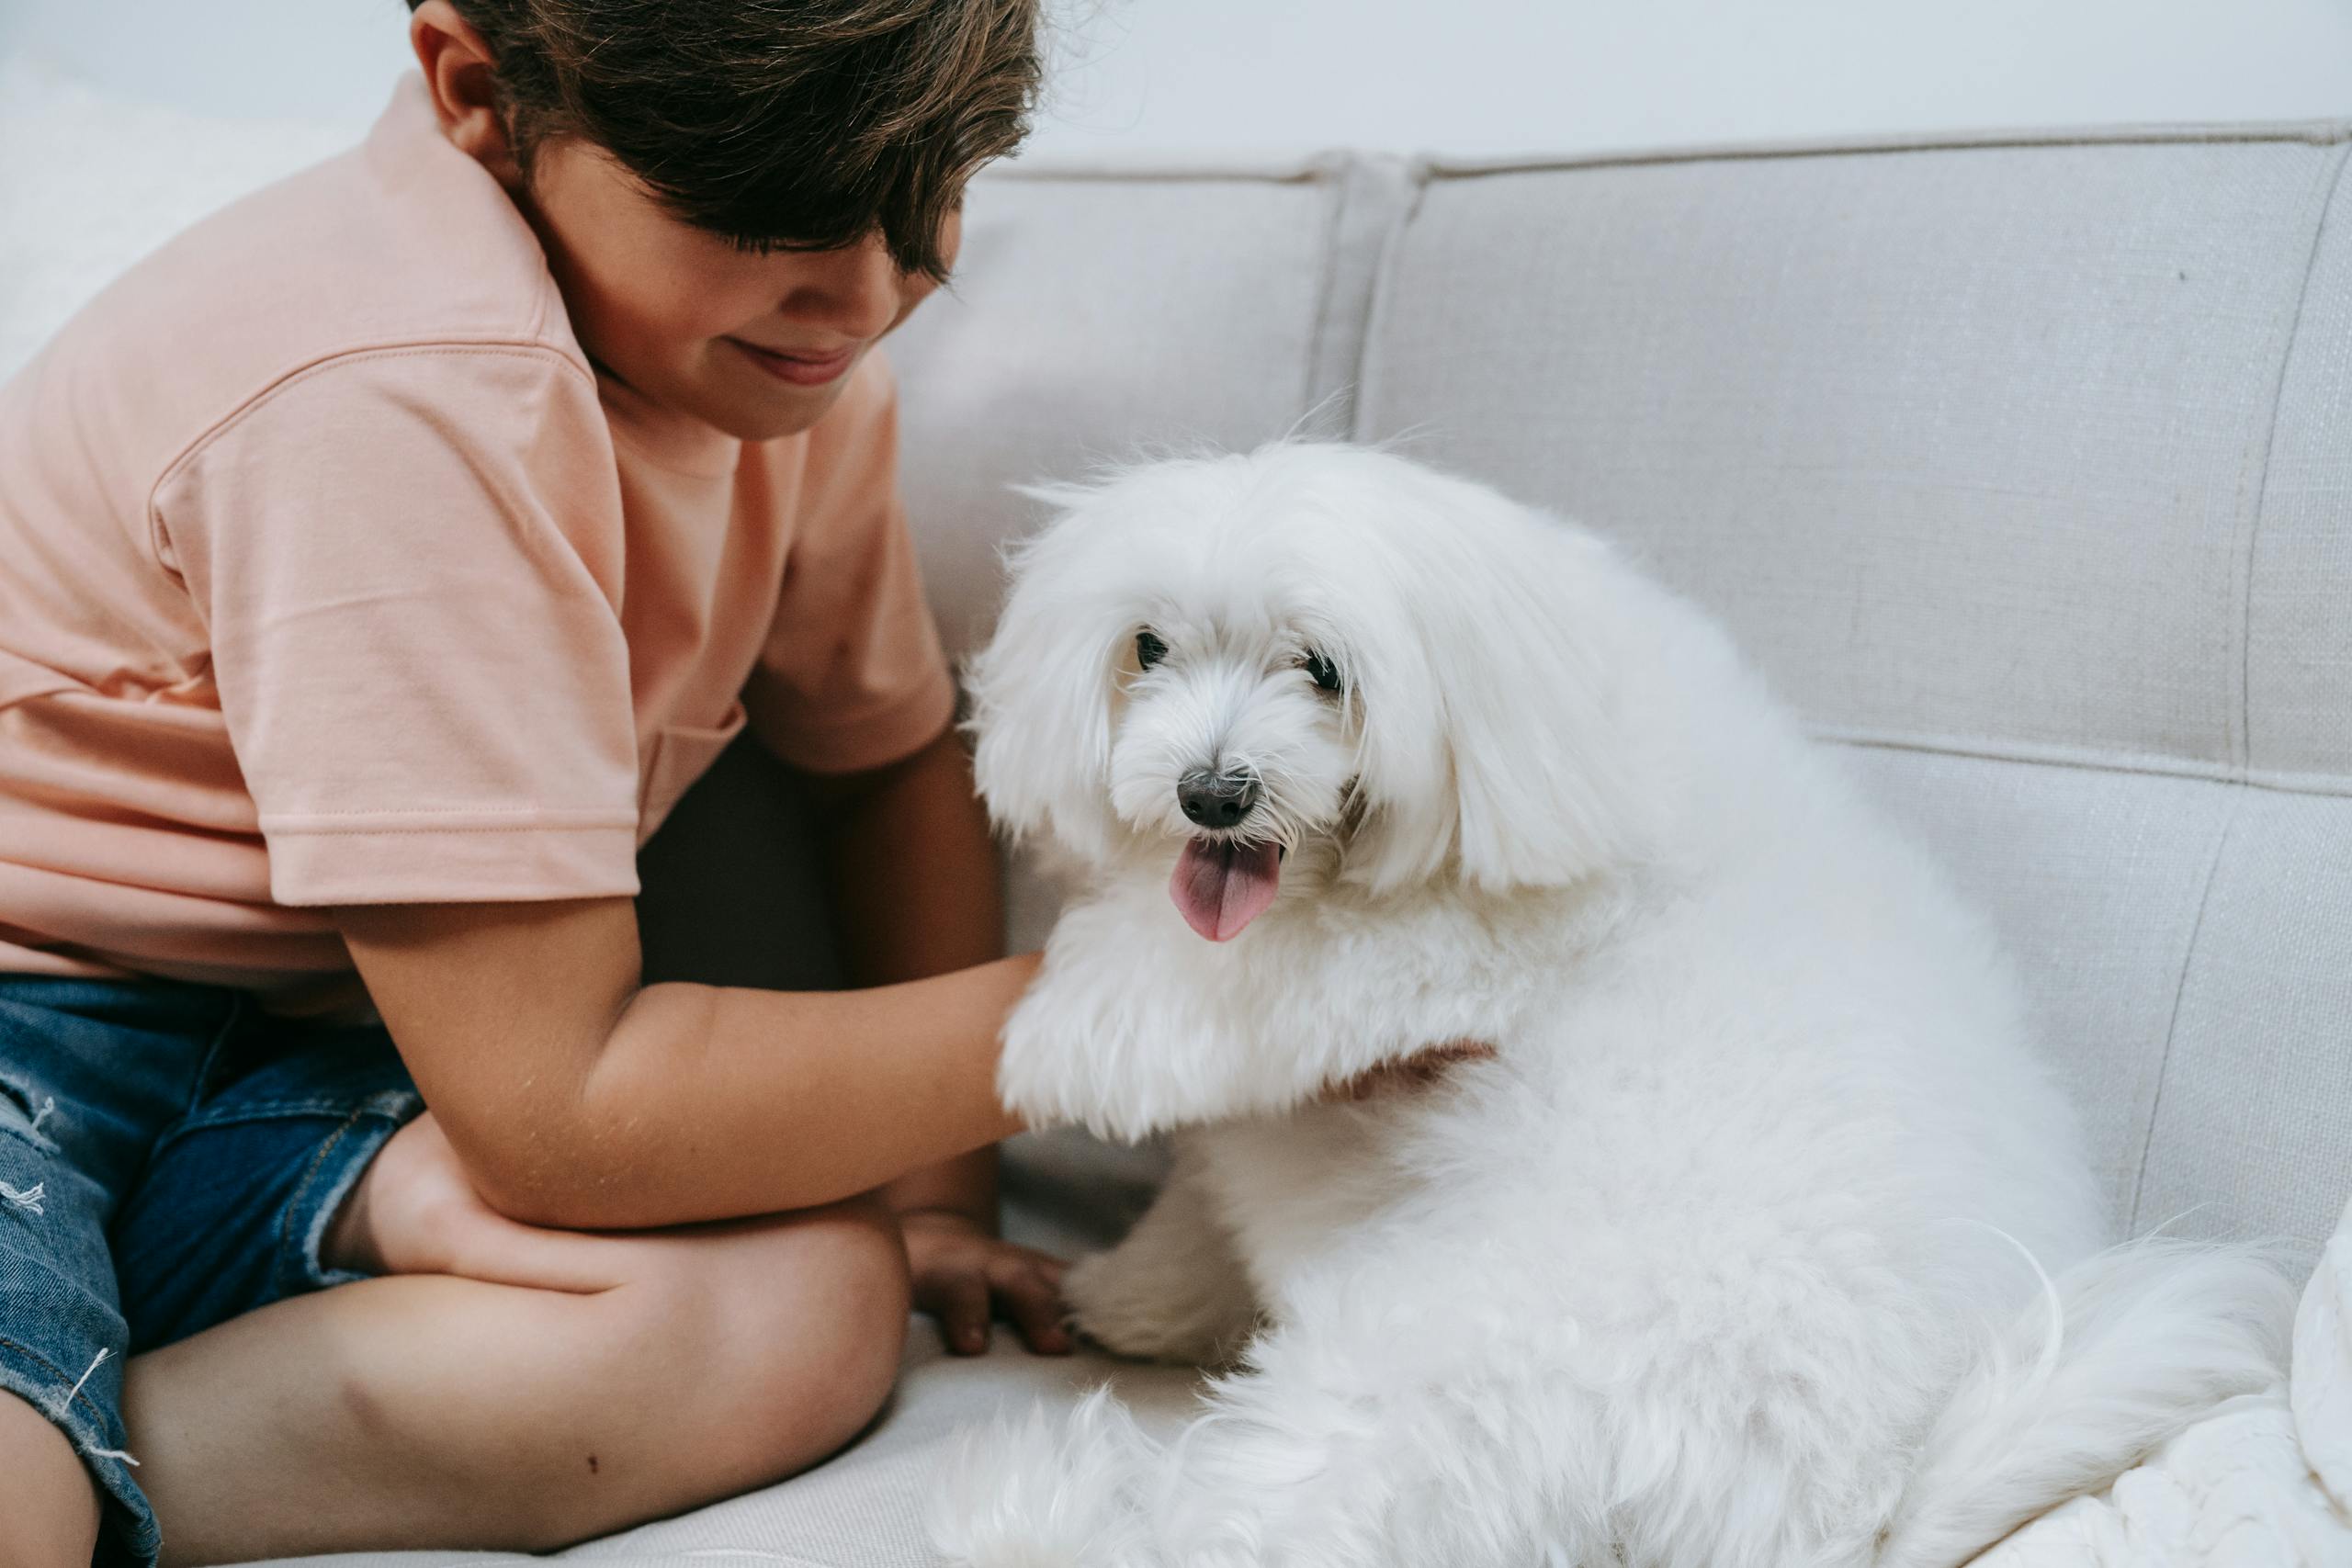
(330, 574)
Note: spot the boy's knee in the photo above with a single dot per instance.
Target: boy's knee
(856, 1320)
(799, 1327)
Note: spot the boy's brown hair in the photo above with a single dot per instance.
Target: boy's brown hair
(783, 124)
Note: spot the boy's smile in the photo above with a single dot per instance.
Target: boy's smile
(757, 343)
(753, 339)
(811, 370)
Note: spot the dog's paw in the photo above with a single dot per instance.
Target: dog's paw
(1199, 1316)
(1044, 1073)
(1045, 1494)
(1068, 1063)
(1053, 1070)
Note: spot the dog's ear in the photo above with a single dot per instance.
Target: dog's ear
(1495, 730)
(1040, 691)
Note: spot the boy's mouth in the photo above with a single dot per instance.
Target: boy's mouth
(800, 369)
(1222, 884)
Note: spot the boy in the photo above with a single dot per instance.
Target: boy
(382, 558)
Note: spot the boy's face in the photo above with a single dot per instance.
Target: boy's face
(759, 346)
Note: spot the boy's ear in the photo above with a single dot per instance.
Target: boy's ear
(461, 75)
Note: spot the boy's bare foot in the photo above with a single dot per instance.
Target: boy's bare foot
(541, 1388)
(414, 1212)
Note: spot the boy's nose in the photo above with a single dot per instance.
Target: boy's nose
(858, 291)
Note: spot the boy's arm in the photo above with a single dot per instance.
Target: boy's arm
(576, 1098)
(915, 892)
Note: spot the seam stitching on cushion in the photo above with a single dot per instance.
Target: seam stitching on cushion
(1327, 289)
(1084, 171)
(1383, 289)
(2243, 737)
(1374, 191)
(2308, 134)
(2172, 1023)
(2319, 786)
(1206, 170)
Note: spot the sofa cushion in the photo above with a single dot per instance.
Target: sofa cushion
(2018, 463)
(1965, 443)
(1097, 318)
(2299, 656)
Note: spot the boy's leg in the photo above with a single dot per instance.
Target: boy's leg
(51, 1520)
(90, 1071)
(514, 1388)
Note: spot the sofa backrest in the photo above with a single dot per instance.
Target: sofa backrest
(2022, 465)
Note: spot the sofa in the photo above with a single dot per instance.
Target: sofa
(2021, 463)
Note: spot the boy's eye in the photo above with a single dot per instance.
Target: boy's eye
(1320, 670)
(759, 245)
(1150, 650)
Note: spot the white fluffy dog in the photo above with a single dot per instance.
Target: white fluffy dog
(1729, 1257)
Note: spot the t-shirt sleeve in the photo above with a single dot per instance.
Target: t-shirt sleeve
(852, 675)
(408, 563)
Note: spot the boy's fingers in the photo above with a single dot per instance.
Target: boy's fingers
(1035, 1308)
(962, 1305)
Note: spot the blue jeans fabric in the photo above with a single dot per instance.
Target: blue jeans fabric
(170, 1157)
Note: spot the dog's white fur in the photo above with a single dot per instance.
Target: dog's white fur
(1730, 1257)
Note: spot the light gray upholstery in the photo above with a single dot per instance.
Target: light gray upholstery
(1965, 444)
(1973, 447)
(2023, 467)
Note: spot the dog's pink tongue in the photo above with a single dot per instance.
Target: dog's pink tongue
(1220, 887)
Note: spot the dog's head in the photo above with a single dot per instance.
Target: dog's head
(1314, 661)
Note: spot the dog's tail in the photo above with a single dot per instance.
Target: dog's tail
(2127, 1349)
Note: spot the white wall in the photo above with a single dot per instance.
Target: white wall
(1517, 75)
(1452, 75)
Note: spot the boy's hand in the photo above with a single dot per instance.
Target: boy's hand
(963, 1276)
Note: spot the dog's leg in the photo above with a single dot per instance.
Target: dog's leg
(1047, 1491)
(1330, 1458)
(1173, 1290)
(1126, 1040)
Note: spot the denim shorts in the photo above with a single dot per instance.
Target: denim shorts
(170, 1156)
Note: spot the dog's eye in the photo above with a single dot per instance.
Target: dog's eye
(1150, 650)
(1321, 670)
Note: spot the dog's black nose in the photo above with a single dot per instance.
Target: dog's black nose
(1217, 800)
